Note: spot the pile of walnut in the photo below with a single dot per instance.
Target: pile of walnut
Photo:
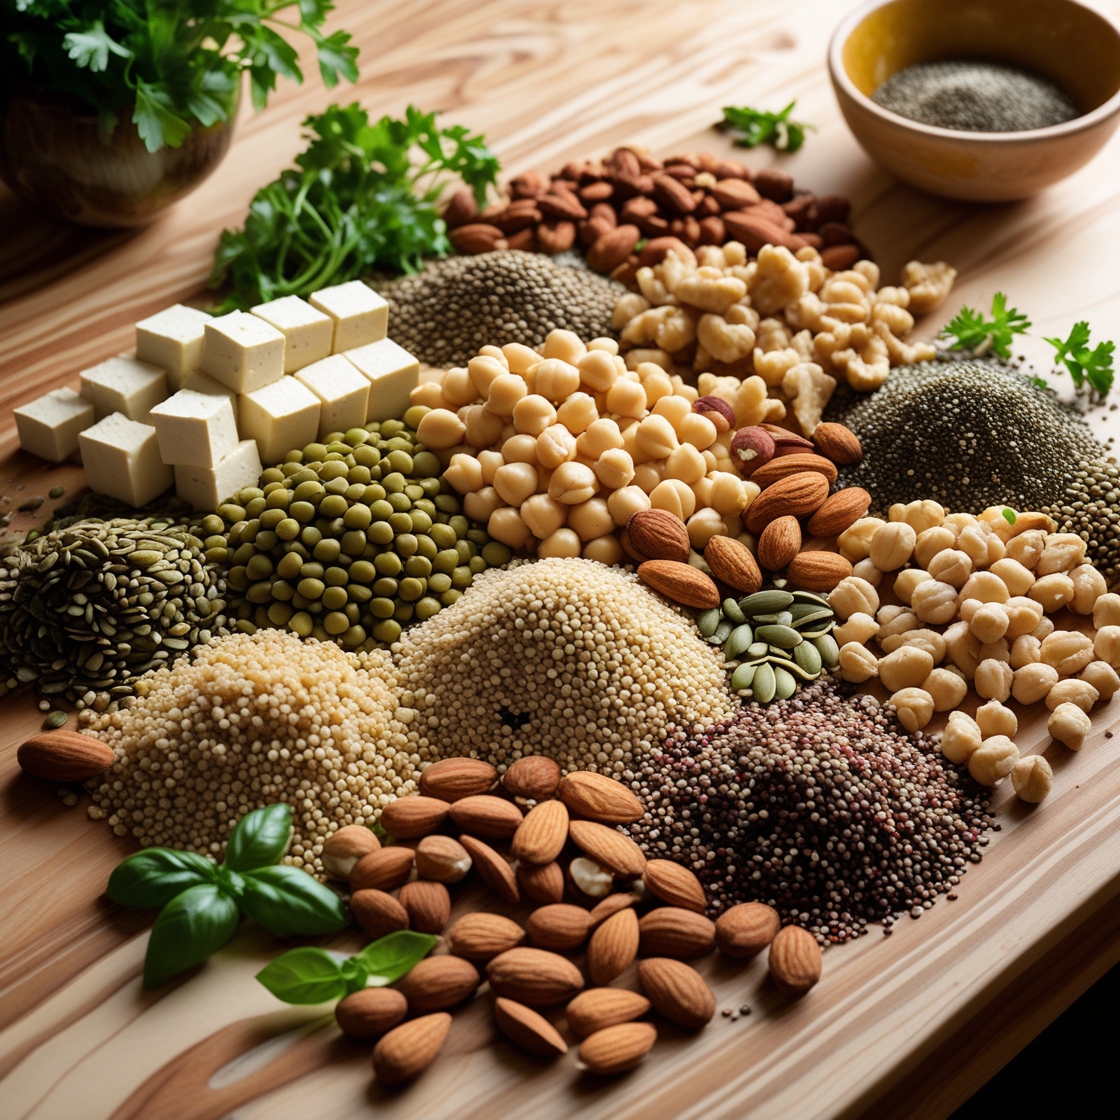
(575, 889)
(784, 319)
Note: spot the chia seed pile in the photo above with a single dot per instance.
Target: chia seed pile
(972, 96)
(820, 806)
(1090, 507)
(969, 434)
(446, 313)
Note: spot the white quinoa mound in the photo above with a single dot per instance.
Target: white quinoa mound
(248, 721)
(562, 657)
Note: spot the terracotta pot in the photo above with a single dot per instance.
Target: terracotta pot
(53, 156)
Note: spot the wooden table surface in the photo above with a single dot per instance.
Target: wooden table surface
(902, 1027)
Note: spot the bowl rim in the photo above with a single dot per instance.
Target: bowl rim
(840, 78)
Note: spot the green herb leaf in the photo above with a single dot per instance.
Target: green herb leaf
(289, 901)
(306, 975)
(1084, 365)
(191, 927)
(757, 126)
(260, 838)
(971, 331)
(1009, 516)
(92, 48)
(156, 122)
(152, 878)
(390, 957)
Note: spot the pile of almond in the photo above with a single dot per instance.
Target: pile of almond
(581, 904)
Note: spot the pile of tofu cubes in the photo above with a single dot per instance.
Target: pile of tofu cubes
(207, 401)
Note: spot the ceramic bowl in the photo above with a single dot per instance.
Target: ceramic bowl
(1070, 44)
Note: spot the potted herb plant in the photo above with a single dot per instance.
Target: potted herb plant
(115, 109)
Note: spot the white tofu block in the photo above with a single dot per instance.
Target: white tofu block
(243, 352)
(307, 333)
(49, 425)
(281, 417)
(342, 390)
(199, 382)
(393, 373)
(207, 487)
(195, 429)
(360, 315)
(124, 385)
(121, 458)
(172, 339)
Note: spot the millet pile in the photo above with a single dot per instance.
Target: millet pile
(1090, 507)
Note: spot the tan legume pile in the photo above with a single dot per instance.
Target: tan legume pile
(252, 720)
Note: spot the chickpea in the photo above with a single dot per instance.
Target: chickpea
(956, 523)
(951, 566)
(543, 515)
(564, 543)
(996, 651)
(990, 622)
(906, 668)
(557, 379)
(1023, 615)
(893, 620)
(520, 449)
(892, 545)
(981, 545)
(696, 430)
(624, 503)
(1106, 611)
(913, 706)
(703, 525)
(674, 409)
(1088, 587)
(963, 648)
(855, 541)
(1027, 547)
(860, 628)
(993, 679)
(1072, 691)
(853, 595)
(994, 719)
(1069, 725)
(1032, 778)
(655, 436)
(857, 663)
(1026, 650)
(995, 759)
(986, 587)
(966, 611)
(1044, 628)
(674, 496)
(1017, 579)
(1052, 591)
(614, 468)
(728, 494)
(934, 601)
(946, 688)
(1107, 645)
(1063, 552)
(865, 569)
(515, 482)
(464, 473)
(440, 429)
(555, 446)
(907, 580)
(647, 476)
(572, 483)
(533, 414)
(931, 542)
(577, 413)
(1033, 682)
(1103, 677)
(687, 464)
(929, 640)
(920, 515)
(566, 346)
(505, 391)
(1069, 651)
(606, 550)
(627, 398)
(961, 738)
(520, 358)
(505, 525)
(479, 505)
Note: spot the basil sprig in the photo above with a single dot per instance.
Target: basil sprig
(310, 975)
(201, 903)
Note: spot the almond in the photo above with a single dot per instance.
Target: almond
(602, 910)
(494, 871)
(556, 235)
(442, 859)
(599, 798)
(746, 929)
(779, 543)
(456, 778)
(733, 563)
(598, 1008)
(672, 931)
(382, 870)
(658, 248)
(840, 257)
(410, 1048)
(673, 195)
(617, 1049)
(613, 947)
(483, 814)
(734, 194)
(437, 983)
(534, 976)
(64, 756)
(658, 534)
(543, 883)
(461, 208)
(794, 496)
(542, 834)
(481, 937)
(428, 905)
(755, 232)
(677, 991)
(561, 204)
(477, 237)
(609, 847)
(839, 512)
(818, 571)
(675, 885)
(370, 1011)
(782, 466)
(611, 248)
(795, 960)
(409, 818)
(560, 927)
(378, 913)
(343, 849)
(681, 583)
(534, 778)
(589, 881)
(528, 1029)
(838, 443)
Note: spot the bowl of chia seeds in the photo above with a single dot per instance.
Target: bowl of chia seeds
(981, 100)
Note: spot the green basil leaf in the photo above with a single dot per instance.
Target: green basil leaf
(354, 974)
(306, 975)
(260, 838)
(152, 878)
(391, 956)
(287, 901)
(190, 927)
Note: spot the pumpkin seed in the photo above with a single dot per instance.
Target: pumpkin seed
(818, 631)
(808, 657)
(707, 621)
(731, 610)
(758, 649)
(738, 642)
(764, 685)
(808, 620)
(828, 649)
(785, 684)
(742, 677)
(810, 597)
(721, 633)
(765, 602)
(784, 637)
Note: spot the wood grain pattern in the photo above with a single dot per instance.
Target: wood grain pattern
(901, 1026)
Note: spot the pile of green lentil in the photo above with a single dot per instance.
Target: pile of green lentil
(1090, 507)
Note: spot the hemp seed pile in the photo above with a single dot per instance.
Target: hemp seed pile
(820, 806)
(1090, 507)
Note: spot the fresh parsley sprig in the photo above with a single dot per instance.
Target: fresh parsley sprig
(969, 330)
(1086, 366)
(201, 903)
(761, 127)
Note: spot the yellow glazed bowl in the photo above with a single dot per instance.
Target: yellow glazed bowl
(1072, 45)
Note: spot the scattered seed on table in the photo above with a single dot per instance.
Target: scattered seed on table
(55, 720)
(56, 491)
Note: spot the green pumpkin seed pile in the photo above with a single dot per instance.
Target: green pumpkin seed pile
(772, 640)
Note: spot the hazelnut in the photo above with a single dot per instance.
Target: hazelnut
(994, 759)
(718, 411)
(751, 448)
(961, 738)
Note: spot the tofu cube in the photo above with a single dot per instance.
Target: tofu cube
(393, 373)
(243, 352)
(199, 382)
(121, 458)
(307, 333)
(49, 425)
(360, 315)
(124, 385)
(342, 391)
(195, 429)
(281, 417)
(172, 339)
(207, 487)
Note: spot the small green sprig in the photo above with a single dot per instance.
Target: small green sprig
(971, 331)
(761, 127)
(1086, 366)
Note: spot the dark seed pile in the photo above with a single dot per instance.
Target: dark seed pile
(969, 434)
(820, 806)
(446, 313)
(1090, 507)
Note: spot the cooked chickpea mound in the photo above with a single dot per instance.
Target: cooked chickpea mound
(562, 657)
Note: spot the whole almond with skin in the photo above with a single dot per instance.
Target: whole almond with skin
(779, 543)
(492, 869)
(672, 194)
(611, 248)
(428, 905)
(733, 563)
(795, 960)
(560, 927)
(534, 977)
(483, 814)
(409, 818)
(782, 466)
(599, 798)
(609, 847)
(481, 937)
(64, 756)
(477, 237)
(838, 443)
(410, 1048)
(369, 1012)
(675, 885)
(534, 778)
(746, 929)
(556, 235)
(681, 583)
(378, 912)
(617, 1049)
(561, 204)
(656, 249)
(839, 512)
(677, 991)
(438, 983)
(613, 947)
(603, 909)
(542, 883)
(382, 870)
(658, 534)
(461, 208)
(528, 1029)
(755, 232)
(343, 849)
(442, 859)
(794, 496)
(455, 778)
(840, 257)
(598, 1008)
(787, 442)
(734, 194)
(672, 931)
(542, 834)
(818, 571)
